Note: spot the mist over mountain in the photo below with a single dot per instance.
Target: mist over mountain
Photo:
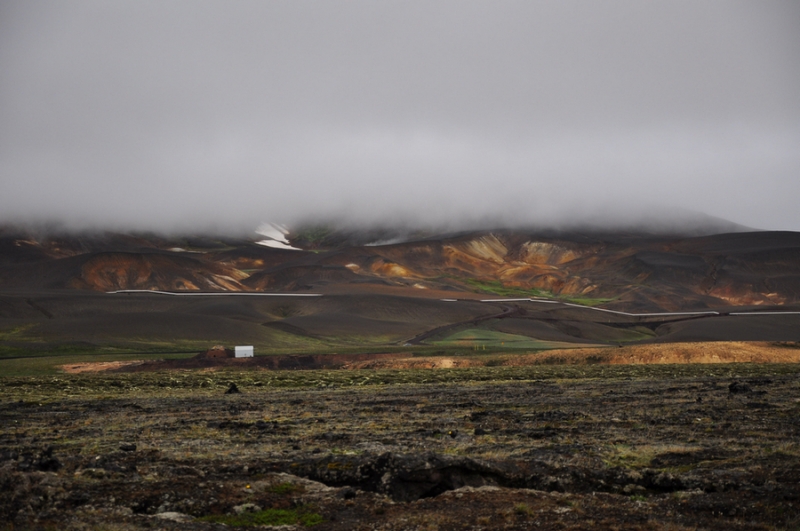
(355, 230)
(214, 116)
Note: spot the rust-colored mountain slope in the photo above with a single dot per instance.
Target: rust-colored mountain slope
(624, 271)
(122, 270)
(637, 273)
(115, 271)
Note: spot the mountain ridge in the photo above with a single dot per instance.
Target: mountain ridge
(624, 270)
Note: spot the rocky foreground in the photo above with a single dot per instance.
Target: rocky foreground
(667, 447)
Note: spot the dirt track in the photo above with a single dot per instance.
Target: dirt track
(97, 366)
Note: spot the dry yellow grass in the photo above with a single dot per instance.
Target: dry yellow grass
(669, 353)
(664, 353)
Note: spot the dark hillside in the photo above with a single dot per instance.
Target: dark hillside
(50, 287)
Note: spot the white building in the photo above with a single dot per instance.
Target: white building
(244, 352)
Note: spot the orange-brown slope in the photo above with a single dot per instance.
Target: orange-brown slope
(114, 271)
(639, 273)
(452, 265)
(123, 270)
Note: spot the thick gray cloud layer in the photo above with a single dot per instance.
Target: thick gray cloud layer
(170, 114)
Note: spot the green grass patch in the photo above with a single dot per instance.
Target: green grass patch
(45, 360)
(638, 333)
(481, 339)
(16, 332)
(496, 287)
(302, 516)
(45, 363)
(44, 388)
(524, 510)
(280, 343)
(285, 488)
(69, 350)
(313, 237)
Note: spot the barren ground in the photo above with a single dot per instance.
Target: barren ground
(554, 446)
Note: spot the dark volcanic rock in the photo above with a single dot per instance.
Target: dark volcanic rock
(571, 456)
(42, 461)
(739, 387)
(403, 477)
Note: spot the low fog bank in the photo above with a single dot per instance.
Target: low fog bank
(655, 222)
(572, 178)
(216, 117)
(361, 230)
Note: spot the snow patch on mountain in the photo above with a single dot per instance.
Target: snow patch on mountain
(275, 236)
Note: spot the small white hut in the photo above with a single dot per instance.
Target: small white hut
(243, 352)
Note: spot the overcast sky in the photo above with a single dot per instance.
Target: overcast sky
(179, 114)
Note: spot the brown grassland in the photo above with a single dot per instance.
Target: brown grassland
(578, 440)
